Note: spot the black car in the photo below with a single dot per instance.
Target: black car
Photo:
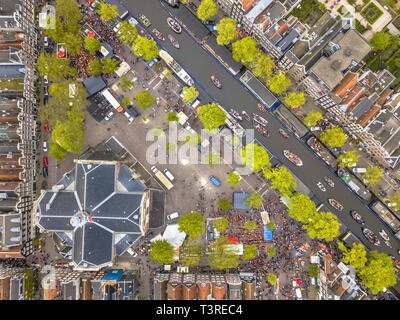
(45, 173)
(193, 6)
(210, 22)
(133, 111)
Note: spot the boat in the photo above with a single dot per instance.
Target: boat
(245, 116)
(384, 235)
(260, 120)
(293, 158)
(371, 237)
(174, 42)
(329, 182)
(357, 217)
(388, 244)
(179, 71)
(216, 82)
(396, 263)
(236, 115)
(321, 186)
(335, 204)
(261, 107)
(174, 25)
(158, 34)
(261, 129)
(283, 133)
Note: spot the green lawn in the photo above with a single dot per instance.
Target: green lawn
(371, 13)
(29, 284)
(360, 28)
(11, 84)
(307, 9)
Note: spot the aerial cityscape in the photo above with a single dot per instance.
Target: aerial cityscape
(200, 150)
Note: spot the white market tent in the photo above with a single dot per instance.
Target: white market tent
(172, 235)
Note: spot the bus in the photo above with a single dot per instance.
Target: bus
(163, 179)
(110, 98)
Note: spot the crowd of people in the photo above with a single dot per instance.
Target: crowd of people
(80, 62)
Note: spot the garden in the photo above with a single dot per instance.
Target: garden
(371, 13)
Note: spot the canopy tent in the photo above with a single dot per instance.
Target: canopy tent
(238, 201)
(267, 234)
(265, 217)
(172, 235)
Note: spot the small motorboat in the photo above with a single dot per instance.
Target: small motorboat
(371, 237)
(261, 107)
(396, 263)
(158, 34)
(293, 158)
(388, 244)
(261, 129)
(216, 82)
(260, 120)
(174, 42)
(245, 116)
(384, 235)
(174, 25)
(236, 115)
(321, 186)
(335, 204)
(329, 182)
(357, 217)
(284, 133)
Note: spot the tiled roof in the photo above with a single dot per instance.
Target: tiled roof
(346, 84)
(204, 289)
(188, 291)
(174, 291)
(367, 116)
(352, 97)
(219, 291)
(248, 289)
(5, 289)
(384, 96)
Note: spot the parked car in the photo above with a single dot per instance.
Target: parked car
(46, 41)
(45, 99)
(214, 181)
(193, 6)
(169, 175)
(115, 29)
(359, 170)
(213, 28)
(210, 22)
(45, 172)
(336, 149)
(46, 90)
(131, 252)
(173, 3)
(173, 216)
(153, 62)
(129, 117)
(133, 111)
(315, 128)
(45, 146)
(45, 79)
(145, 20)
(133, 21)
(109, 116)
(45, 162)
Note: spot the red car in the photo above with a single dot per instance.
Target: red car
(46, 126)
(45, 162)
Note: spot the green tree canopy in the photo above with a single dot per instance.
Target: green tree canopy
(278, 83)
(53, 111)
(192, 224)
(92, 45)
(255, 157)
(262, 66)
(144, 99)
(172, 116)
(295, 99)
(69, 135)
(394, 201)
(271, 252)
(281, 179)
(224, 204)
(145, 48)
(233, 178)
(254, 200)
(206, 9)
(271, 226)
(323, 225)
(106, 11)
(211, 116)
(382, 40)
(190, 253)
(110, 65)
(301, 208)
(250, 225)
(57, 33)
(221, 223)
(226, 31)
(312, 119)
(249, 252)
(348, 159)
(272, 278)
(334, 137)
(189, 94)
(125, 83)
(73, 43)
(71, 93)
(69, 13)
(56, 151)
(245, 50)
(356, 256)
(222, 256)
(162, 252)
(313, 270)
(55, 68)
(372, 175)
(378, 273)
(127, 33)
(95, 67)
(126, 101)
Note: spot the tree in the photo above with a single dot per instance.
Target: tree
(281, 179)
(127, 33)
(378, 273)
(73, 43)
(57, 33)
(125, 83)
(189, 93)
(356, 256)
(295, 99)
(192, 224)
(272, 278)
(224, 204)
(69, 13)
(278, 83)
(245, 50)
(255, 156)
(56, 151)
(254, 200)
(301, 208)
(106, 11)
(214, 158)
(394, 201)
(250, 252)
(53, 111)
(69, 135)
(126, 101)
(313, 270)
(212, 116)
(226, 31)
(348, 159)
(323, 225)
(55, 68)
(76, 114)
(382, 40)
(334, 137)
(190, 253)
(172, 116)
(71, 93)
(262, 66)
(145, 48)
(271, 252)
(312, 119)
(162, 252)
(250, 225)
(372, 175)
(221, 255)
(206, 9)
(92, 45)
(168, 74)
(193, 139)
(233, 178)
(95, 67)
(221, 223)
(109, 65)
(144, 99)
(271, 226)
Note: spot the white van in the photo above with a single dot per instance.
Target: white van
(196, 104)
(173, 216)
(359, 170)
(131, 252)
(169, 175)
